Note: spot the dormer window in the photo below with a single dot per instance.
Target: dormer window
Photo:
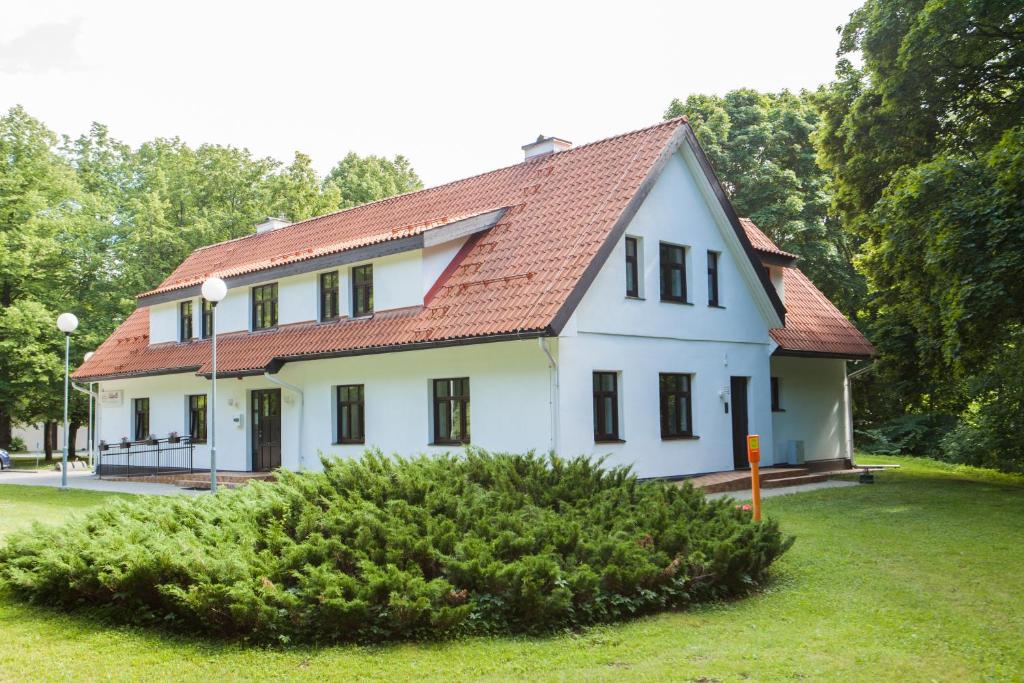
(185, 321)
(328, 296)
(362, 290)
(264, 307)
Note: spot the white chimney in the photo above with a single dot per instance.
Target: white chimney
(271, 223)
(543, 145)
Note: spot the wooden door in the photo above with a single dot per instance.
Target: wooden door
(738, 399)
(266, 429)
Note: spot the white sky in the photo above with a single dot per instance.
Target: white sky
(456, 87)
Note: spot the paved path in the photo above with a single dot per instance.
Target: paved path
(785, 490)
(81, 479)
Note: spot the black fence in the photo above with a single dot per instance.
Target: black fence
(171, 455)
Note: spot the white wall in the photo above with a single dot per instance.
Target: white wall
(812, 398)
(508, 389)
(163, 322)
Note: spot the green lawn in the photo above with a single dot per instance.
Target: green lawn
(919, 577)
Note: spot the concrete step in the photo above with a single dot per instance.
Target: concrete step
(770, 474)
(794, 481)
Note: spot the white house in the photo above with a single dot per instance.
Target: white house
(603, 299)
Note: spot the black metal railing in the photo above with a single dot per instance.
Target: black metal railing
(170, 455)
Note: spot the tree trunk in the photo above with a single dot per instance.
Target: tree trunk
(49, 439)
(72, 437)
(5, 429)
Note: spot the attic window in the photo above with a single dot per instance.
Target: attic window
(362, 290)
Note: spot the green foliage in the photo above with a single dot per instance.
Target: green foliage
(761, 146)
(360, 180)
(380, 548)
(912, 434)
(18, 445)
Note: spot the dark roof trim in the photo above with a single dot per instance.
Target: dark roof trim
(770, 259)
(444, 233)
(133, 375)
(795, 353)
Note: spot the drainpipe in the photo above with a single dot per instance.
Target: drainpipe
(552, 392)
(91, 433)
(291, 387)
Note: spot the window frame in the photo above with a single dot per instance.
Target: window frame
(343, 405)
(359, 288)
(667, 267)
(259, 305)
(206, 320)
(683, 395)
(330, 304)
(136, 412)
(714, 289)
(634, 262)
(185, 320)
(463, 401)
(193, 412)
(599, 396)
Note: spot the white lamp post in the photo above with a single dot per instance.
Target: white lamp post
(91, 434)
(214, 290)
(66, 323)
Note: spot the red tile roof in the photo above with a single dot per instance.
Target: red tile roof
(760, 241)
(514, 280)
(813, 325)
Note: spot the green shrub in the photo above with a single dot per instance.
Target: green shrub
(914, 434)
(18, 445)
(383, 548)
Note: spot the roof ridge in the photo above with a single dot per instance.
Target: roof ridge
(673, 121)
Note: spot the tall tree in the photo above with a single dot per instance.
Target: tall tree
(925, 145)
(365, 179)
(761, 145)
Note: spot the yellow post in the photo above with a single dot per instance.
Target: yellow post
(754, 457)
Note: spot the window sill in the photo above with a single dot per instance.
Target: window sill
(361, 442)
(719, 306)
(685, 437)
(448, 443)
(635, 298)
(365, 316)
(679, 302)
(778, 410)
(609, 441)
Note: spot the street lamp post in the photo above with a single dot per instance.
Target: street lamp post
(66, 323)
(214, 290)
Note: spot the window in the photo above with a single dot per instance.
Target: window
(606, 406)
(362, 290)
(776, 404)
(197, 418)
(451, 411)
(140, 407)
(676, 409)
(351, 416)
(207, 324)
(713, 278)
(673, 273)
(632, 267)
(185, 317)
(328, 296)
(264, 307)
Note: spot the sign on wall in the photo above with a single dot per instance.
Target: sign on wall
(112, 397)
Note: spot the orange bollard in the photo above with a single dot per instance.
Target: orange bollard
(754, 458)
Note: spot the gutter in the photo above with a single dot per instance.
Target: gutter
(291, 387)
(848, 396)
(553, 392)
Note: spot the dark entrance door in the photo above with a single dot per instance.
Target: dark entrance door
(738, 398)
(266, 429)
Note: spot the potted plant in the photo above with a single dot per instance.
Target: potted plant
(125, 443)
(173, 437)
(152, 440)
(104, 446)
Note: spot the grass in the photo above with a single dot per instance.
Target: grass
(917, 577)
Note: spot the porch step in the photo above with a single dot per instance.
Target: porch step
(794, 481)
(739, 480)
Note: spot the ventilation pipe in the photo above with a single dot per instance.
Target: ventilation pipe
(291, 387)
(552, 391)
